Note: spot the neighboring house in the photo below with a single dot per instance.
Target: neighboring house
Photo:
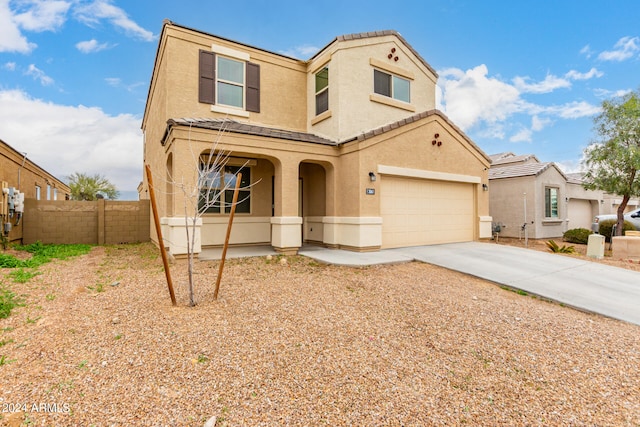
(345, 149)
(524, 190)
(19, 174)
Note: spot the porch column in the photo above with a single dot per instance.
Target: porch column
(286, 224)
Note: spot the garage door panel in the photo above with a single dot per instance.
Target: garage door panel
(421, 212)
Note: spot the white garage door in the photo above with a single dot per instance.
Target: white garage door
(425, 212)
(579, 214)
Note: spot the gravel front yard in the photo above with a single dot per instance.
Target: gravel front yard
(304, 344)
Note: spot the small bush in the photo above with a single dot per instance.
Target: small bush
(607, 225)
(555, 248)
(577, 235)
(8, 301)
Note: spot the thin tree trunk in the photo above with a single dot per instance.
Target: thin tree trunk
(621, 208)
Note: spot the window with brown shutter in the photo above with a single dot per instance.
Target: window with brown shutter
(253, 87)
(207, 86)
(208, 81)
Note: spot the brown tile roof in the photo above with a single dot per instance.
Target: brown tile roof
(371, 34)
(229, 125)
(415, 118)
(520, 170)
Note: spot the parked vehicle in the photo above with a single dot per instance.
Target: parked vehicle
(633, 217)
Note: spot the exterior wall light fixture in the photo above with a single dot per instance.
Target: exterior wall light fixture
(372, 176)
(485, 187)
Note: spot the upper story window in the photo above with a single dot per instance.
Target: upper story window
(322, 90)
(229, 82)
(551, 202)
(391, 85)
(38, 192)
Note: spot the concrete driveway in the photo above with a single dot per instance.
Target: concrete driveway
(583, 284)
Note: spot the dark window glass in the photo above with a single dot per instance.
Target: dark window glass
(381, 83)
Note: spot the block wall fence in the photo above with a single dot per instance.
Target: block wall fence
(101, 222)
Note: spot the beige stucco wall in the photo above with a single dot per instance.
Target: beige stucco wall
(24, 175)
(351, 65)
(507, 205)
(174, 94)
(411, 147)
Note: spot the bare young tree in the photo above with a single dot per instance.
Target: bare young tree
(204, 192)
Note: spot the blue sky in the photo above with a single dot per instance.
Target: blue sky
(520, 76)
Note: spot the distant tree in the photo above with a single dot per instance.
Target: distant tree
(612, 161)
(91, 187)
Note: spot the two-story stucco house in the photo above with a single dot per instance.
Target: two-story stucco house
(345, 149)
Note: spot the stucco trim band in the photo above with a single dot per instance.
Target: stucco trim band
(426, 174)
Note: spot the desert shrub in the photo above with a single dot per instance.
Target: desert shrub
(555, 248)
(577, 235)
(607, 225)
(8, 301)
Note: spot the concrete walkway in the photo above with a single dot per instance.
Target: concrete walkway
(586, 285)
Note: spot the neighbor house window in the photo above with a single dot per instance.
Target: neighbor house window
(551, 202)
(322, 90)
(229, 82)
(48, 192)
(55, 194)
(392, 86)
(216, 193)
(37, 192)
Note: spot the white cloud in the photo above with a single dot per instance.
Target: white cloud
(605, 93)
(624, 48)
(38, 74)
(90, 46)
(586, 51)
(304, 51)
(11, 39)
(471, 97)
(486, 104)
(523, 135)
(537, 123)
(42, 15)
(9, 66)
(92, 13)
(113, 81)
(549, 84)
(576, 75)
(574, 110)
(66, 139)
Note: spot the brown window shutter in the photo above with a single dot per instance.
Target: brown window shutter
(207, 86)
(253, 87)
